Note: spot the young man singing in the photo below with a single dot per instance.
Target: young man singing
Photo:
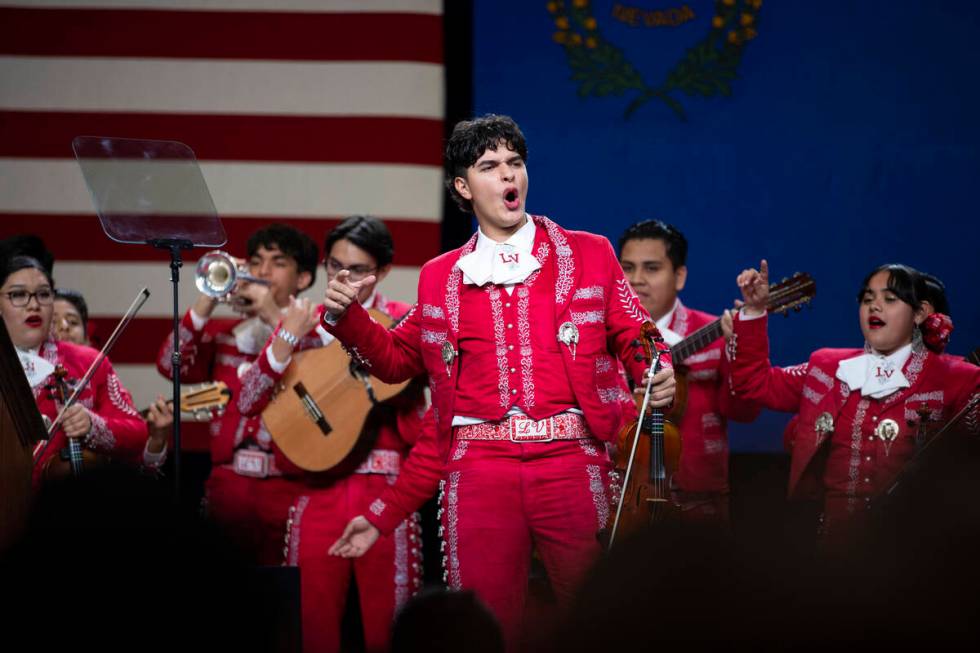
(518, 331)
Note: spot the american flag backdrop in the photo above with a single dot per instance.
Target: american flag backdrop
(300, 111)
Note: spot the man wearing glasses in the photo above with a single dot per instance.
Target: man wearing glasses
(392, 573)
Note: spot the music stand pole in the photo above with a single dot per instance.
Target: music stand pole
(174, 245)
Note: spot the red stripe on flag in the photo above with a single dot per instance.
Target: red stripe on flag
(80, 237)
(347, 139)
(138, 344)
(221, 35)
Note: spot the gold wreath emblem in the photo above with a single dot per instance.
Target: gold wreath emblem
(706, 69)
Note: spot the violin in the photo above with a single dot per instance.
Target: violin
(72, 459)
(648, 454)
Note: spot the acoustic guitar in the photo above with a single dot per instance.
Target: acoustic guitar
(323, 403)
(790, 294)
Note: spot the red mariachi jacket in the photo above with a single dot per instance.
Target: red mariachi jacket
(397, 428)
(710, 403)
(117, 428)
(590, 292)
(857, 464)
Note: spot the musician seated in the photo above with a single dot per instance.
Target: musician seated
(654, 258)
(70, 324)
(103, 419)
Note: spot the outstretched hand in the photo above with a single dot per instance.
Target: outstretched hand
(754, 285)
(342, 292)
(358, 536)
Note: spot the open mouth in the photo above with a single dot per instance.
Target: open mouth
(875, 322)
(512, 199)
(34, 321)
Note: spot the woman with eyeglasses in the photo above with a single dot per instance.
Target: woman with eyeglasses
(103, 418)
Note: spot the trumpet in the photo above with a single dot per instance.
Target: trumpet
(218, 273)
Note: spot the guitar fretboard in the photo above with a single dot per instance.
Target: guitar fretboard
(696, 341)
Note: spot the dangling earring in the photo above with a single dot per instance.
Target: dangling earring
(917, 343)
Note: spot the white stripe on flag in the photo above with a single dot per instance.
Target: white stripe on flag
(109, 287)
(282, 189)
(223, 87)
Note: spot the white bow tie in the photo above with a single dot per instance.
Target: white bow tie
(876, 376)
(36, 368)
(501, 264)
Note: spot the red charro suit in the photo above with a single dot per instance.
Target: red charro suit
(847, 463)
(500, 496)
(702, 478)
(252, 511)
(117, 428)
(391, 571)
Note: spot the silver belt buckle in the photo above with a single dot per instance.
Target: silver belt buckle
(251, 463)
(525, 429)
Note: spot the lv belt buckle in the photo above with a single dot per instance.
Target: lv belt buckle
(251, 463)
(525, 429)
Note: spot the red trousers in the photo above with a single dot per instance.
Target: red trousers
(386, 576)
(499, 498)
(252, 512)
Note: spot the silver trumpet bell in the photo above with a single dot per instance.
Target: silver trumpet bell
(218, 272)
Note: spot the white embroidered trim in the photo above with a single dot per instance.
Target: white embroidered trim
(166, 356)
(703, 375)
(935, 395)
(598, 495)
(100, 437)
(587, 317)
(613, 395)
(432, 311)
(118, 399)
(590, 292)
(812, 394)
(588, 448)
(822, 377)
(797, 370)
(710, 355)
(603, 363)
(680, 320)
(524, 335)
(231, 360)
(566, 264)
(377, 507)
(710, 419)
(629, 300)
(452, 524)
(713, 446)
(433, 337)
(460, 450)
(453, 281)
(255, 384)
(854, 467)
(293, 530)
(402, 589)
(500, 341)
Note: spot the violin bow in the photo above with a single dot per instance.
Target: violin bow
(134, 308)
(654, 368)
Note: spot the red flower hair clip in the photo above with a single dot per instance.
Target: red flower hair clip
(936, 331)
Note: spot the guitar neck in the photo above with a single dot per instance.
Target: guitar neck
(696, 341)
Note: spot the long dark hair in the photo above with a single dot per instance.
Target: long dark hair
(904, 281)
(17, 263)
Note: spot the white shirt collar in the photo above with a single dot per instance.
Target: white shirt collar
(874, 374)
(663, 324)
(505, 263)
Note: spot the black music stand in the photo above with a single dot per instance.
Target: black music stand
(152, 193)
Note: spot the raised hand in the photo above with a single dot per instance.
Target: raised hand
(358, 536)
(754, 285)
(342, 292)
(300, 317)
